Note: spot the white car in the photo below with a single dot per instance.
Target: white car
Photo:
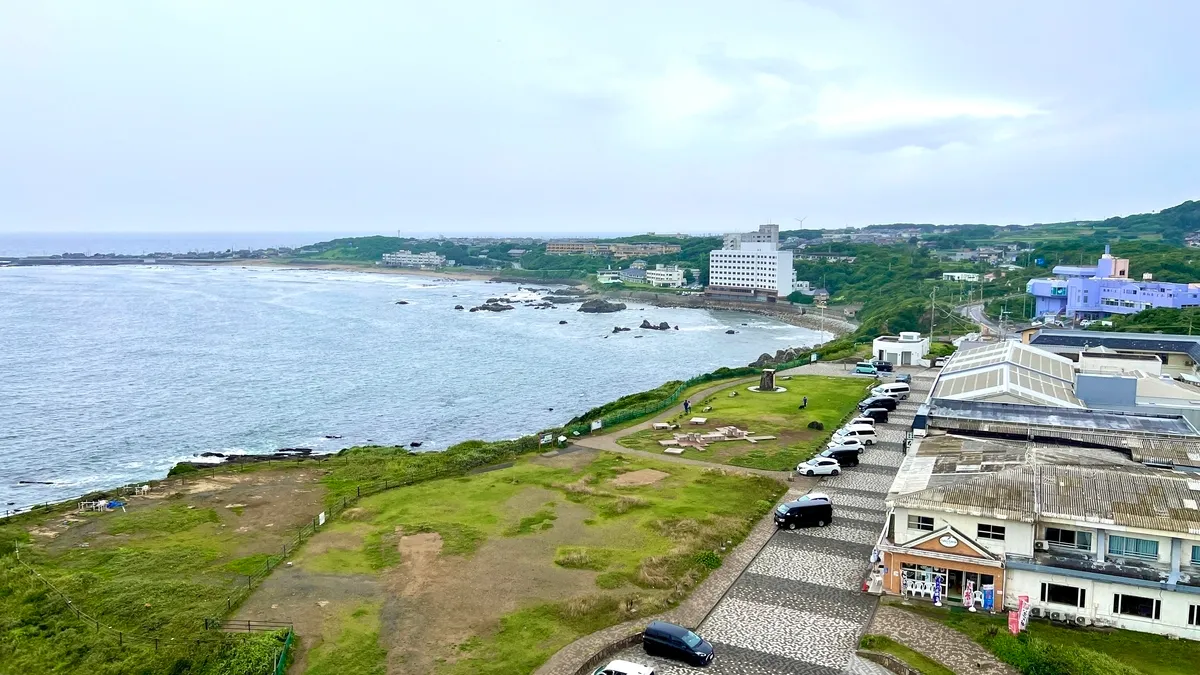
(819, 466)
(624, 668)
(845, 444)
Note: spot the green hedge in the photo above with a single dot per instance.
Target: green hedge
(1035, 656)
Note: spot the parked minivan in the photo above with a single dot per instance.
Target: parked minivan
(897, 390)
(620, 667)
(676, 642)
(865, 368)
(883, 366)
(877, 414)
(885, 402)
(862, 432)
(862, 419)
(814, 508)
(844, 456)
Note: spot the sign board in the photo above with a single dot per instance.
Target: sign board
(813, 358)
(548, 438)
(321, 518)
(948, 540)
(1014, 623)
(937, 591)
(989, 597)
(969, 595)
(597, 425)
(1026, 609)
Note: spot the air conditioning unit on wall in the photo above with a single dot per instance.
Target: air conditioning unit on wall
(1056, 616)
(1041, 545)
(1036, 612)
(1082, 620)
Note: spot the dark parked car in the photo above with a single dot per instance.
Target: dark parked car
(885, 402)
(676, 642)
(844, 456)
(814, 508)
(905, 378)
(883, 366)
(880, 415)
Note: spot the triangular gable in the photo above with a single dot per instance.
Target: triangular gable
(938, 540)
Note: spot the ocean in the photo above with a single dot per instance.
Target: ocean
(111, 375)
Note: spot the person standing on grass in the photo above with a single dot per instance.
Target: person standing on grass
(804, 404)
(687, 406)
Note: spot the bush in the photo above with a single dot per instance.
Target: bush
(708, 559)
(816, 425)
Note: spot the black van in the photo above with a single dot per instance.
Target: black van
(844, 456)
(885, 402)
(814, 508)
(676, 642)
(880, 415)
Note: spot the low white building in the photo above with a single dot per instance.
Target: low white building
(1115, 546)
(960, 276)
(409, 259)
(906, 349)
(667, 276)
(608, 276)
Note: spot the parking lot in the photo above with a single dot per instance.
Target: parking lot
(798, 607)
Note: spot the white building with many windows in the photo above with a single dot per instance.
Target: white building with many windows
(750, 266)
(667, 276)
(409, 259)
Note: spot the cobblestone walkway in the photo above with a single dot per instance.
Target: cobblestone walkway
(945, 645)
(798, 608)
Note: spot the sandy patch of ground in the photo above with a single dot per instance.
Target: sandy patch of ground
(639, 477)
(419, 560)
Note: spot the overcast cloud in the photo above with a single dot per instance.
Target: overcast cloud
(591, 115)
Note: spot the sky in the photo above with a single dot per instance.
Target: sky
(526, 116)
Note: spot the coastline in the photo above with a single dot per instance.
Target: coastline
(833, 325)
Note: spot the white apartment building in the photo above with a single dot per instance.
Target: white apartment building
(668, 276)
(751, 267)
(409, 259)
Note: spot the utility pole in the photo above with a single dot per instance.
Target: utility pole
(932, 311)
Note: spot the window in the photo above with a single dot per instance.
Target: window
(1196, 555)
(1194, 615)
(1135, 605)
(920, 523)
(1069, 538)
(1064, 595)
(1131, 547)
(991, 532)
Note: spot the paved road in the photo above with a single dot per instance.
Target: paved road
(798, 609)
(975, 313)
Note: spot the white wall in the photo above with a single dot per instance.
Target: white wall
(1173, 613)
(1018, 536)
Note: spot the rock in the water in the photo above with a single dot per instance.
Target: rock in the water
(598, 306)
(649, 326)
(459, 307)
(618, 329)
(562, 323)
(415, 444)
(208, 454)
(730, 331)
(492, 307)
(676, 327)
(401, 302)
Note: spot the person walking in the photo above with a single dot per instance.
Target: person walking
(687, 406)
(804, 404)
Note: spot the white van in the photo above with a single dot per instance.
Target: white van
(896, 390)
(869, 421)
(861, 432)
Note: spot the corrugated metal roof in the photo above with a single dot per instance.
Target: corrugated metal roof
(1130, 497)
(1008, 369)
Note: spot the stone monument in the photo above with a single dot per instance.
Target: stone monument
(767, 383)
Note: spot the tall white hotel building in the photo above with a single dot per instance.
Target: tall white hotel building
(750, 266)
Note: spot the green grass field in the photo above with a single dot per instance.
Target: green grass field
(1077, 648)
(883, 643)
(831, 400)
(620, 550)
